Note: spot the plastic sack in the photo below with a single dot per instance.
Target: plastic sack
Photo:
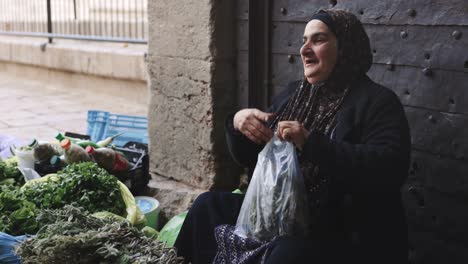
(29, 174)
(169, 233)
(7, 245)
(276, 200)
(6, 142)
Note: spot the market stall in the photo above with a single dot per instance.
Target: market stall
(71, 200)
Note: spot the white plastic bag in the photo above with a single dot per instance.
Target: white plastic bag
(276, 201)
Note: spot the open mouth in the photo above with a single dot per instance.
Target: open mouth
(310, 61)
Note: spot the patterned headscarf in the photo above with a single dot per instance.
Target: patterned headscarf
(316, 105)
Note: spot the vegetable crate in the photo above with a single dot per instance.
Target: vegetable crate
(138, 176)
(103, 124)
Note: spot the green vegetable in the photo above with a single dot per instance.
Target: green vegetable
(85, 143)
(17, 216)
(81, 184)
(9, 170)
(150, 232)
(106, 142)
(70, 235)
(110, 216)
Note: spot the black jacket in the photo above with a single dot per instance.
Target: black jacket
(366, 159)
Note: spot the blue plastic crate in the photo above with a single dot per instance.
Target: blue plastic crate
(97, 122)
(103, 124)
(135, 129)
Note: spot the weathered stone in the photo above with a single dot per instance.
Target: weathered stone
(191, 66)
(180, 29)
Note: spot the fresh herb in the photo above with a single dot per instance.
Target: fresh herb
(9, 173)
(71, 235)
(17, 215)
(81, 184)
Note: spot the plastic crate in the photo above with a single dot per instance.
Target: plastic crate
(103, 124)
(135, 129)
(137, 177)
(97, 122)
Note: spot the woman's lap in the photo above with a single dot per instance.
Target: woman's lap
(196, 241)
(301, 250)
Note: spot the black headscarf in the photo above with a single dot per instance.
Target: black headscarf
(354, 52)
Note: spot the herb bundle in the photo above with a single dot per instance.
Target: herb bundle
(81, 184)
(9, 173)
(17, 215)
(71, 235)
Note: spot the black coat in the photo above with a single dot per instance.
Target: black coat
(366, 159)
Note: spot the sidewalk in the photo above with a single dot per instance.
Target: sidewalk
(30, 109)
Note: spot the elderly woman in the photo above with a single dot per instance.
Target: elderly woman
(353, 145)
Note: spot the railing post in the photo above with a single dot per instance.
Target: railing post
(49, 20)
(74, 8)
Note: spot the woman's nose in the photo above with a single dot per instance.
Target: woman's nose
(306, 49)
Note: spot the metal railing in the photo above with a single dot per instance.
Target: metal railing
(101, 20)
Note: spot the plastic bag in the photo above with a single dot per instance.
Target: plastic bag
(171, 229)
(276, 201)
(6, 142)
(7, 245)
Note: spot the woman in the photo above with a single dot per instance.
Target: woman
(353, 142)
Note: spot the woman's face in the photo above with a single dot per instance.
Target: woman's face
(319, 51)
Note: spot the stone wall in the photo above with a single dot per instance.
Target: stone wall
(191, 66)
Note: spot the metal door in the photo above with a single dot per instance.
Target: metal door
(420, 50)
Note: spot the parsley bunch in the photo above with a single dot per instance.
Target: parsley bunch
(81, 184)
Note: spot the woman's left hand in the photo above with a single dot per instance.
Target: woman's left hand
(293, 132)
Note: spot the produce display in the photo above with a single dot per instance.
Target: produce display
(81, 184)
(77, 212)
(71, 235)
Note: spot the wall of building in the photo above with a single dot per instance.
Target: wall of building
(191, 62)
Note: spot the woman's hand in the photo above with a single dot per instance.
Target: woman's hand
(250, 122)
(294, 132)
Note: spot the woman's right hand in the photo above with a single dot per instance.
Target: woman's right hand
(250, 122)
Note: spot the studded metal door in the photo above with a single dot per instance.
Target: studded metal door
(420, 50)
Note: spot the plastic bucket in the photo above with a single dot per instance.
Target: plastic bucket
(150, 208)
(25, 159)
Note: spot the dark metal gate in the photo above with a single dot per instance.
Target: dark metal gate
(420, 50)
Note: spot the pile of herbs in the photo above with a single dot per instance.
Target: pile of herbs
(81, 184)
(9, 173)
(71, 235)
(17, 215)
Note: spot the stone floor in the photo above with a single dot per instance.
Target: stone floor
(31, 109)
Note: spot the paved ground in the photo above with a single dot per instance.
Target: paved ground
(30, 109)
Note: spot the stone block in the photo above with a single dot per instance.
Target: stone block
(174, 197)
(176, 40)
